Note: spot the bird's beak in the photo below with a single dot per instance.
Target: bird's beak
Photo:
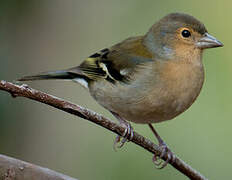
(208, 41)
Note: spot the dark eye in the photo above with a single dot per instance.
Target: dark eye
(185, 33)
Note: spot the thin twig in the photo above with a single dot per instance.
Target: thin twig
(25, 91)
(11, 169)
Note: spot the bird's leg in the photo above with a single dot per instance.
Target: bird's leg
(127, 135)
(165, 149)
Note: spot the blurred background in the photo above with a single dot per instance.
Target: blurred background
(37, 36)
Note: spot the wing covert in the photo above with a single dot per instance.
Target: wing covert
(117, 63)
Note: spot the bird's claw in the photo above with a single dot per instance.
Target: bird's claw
(127, 136)
(157, 160)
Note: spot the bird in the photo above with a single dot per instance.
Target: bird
(146, 79)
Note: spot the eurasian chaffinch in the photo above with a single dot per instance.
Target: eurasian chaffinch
(146, 79)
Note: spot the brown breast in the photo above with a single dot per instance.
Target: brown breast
(179, 85)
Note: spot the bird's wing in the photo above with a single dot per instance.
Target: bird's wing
(117, 63)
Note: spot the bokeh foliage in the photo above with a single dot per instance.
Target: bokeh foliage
(46, 35)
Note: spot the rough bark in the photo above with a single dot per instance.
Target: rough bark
(12, 169)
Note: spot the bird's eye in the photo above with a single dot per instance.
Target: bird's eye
(185, 33)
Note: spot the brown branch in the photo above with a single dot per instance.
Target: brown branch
(96, 118)
(11, 169)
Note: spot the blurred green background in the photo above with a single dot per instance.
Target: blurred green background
(47, 35)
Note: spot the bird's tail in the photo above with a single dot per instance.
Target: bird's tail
(73, 74)
(65, 75)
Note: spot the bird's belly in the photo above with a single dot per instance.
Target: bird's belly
(148, 108)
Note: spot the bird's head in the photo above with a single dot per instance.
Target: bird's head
(179, 34)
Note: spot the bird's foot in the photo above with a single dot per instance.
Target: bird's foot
(157, 160)
(127, 136)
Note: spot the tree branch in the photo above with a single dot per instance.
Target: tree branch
(25, 91)
(11, 169)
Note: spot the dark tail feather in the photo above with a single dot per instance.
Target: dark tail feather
(50, 75)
